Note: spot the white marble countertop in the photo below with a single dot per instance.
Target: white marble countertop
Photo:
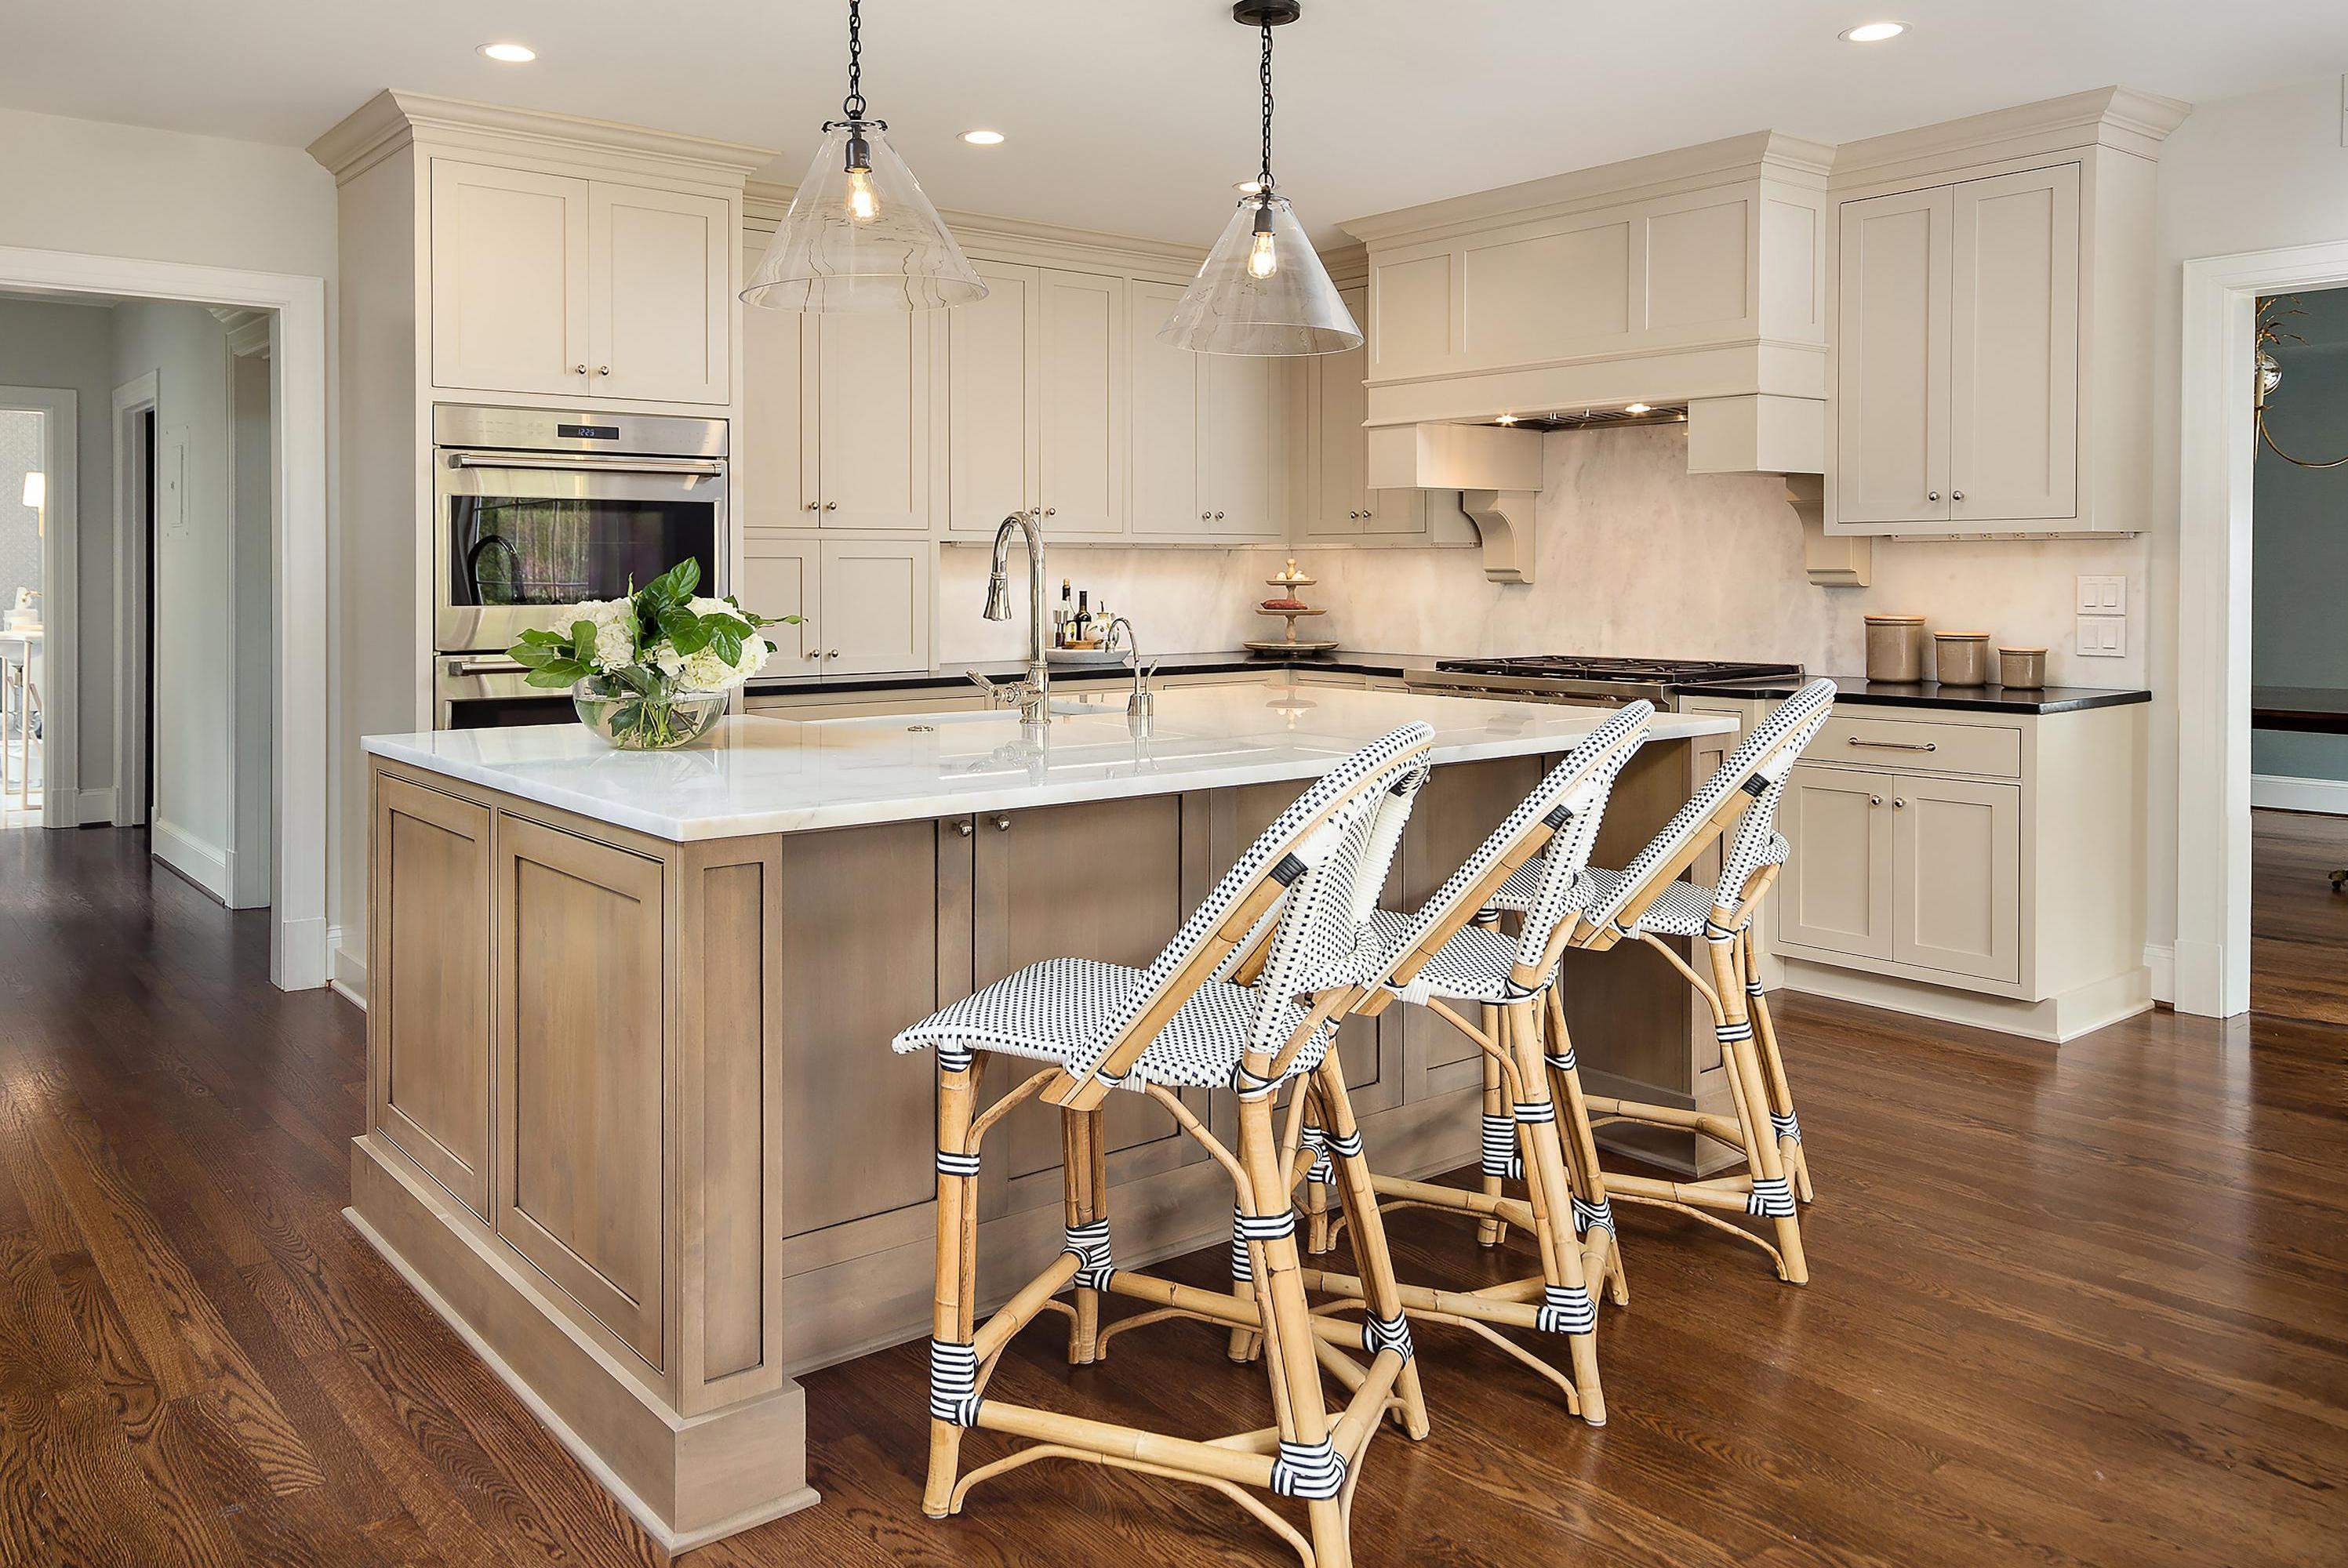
(754, 775)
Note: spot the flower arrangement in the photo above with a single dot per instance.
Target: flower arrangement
(652, 670)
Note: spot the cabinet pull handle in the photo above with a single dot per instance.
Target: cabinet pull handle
(963, 827)
(1002, 824)
(1893, 745)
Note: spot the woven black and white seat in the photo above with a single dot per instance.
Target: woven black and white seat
(1647, 901)
(1247, 996)
(1439, 954)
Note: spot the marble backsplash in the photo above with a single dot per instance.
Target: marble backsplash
(1635, 557)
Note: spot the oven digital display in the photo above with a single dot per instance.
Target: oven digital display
(588, 431)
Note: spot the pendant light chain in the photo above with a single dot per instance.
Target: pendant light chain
(852, 105)
(1264, 174)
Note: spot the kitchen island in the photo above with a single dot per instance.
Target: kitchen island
(633, 1127)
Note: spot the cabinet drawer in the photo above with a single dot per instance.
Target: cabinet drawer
(1914, 745)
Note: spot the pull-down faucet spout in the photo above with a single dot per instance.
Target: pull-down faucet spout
(1034, 694)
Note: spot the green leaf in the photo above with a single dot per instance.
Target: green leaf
(726, 637)
(556, 672)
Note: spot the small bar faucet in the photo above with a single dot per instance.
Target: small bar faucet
(1032, 695)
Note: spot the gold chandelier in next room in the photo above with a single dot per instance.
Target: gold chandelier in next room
(861, 234)
(1263, 290)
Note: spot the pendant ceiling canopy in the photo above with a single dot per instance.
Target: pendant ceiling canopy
(1263, 290)
(861, 234)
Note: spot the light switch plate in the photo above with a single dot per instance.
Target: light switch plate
(2103, 596)
(2103, 636)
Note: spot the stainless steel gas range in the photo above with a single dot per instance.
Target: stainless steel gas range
(1572, 678)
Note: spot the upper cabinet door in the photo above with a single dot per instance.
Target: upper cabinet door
(767, 488)
(1892, 389)
(872, 419)
(1082, 411)
(1164, 412)
(1244, 427)
(1339, 505)
(2013, 372)
(992, 372)
(509, 290)
(876, 605)
(660, 308)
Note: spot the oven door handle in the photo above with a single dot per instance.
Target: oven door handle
(588, 462)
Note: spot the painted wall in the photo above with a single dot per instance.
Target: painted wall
(2250, 173)
(2298, 552)
(186, 349)
(47, 344)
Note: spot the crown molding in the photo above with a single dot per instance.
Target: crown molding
(248, 331)
(2122, 119)
(396, 118)
(1758, 154)
(764, 203)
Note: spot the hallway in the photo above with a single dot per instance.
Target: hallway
(2080, 1309)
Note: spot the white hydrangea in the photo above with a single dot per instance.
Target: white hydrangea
(704, 671)
(614, 620)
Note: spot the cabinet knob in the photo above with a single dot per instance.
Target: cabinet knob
(1367, 514)
(1218, 516)
(1206, 517)
(1051, 511)
(578, 370)
(833, 654)
(963, 827)
(831, 506)
(1354, 515)
(1897, 804)
(1931, 495)
(1956, 494)
(811, 506)
(1875, 800)
(1002, 824)
(603, 370)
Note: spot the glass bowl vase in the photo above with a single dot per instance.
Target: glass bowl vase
(633, 721)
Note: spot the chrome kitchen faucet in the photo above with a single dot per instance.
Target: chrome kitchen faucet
(1032, 695)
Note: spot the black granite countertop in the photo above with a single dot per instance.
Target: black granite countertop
(1853, 690)
(1858, 690)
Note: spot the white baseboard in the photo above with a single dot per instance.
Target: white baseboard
(95, 807)
(347, 969)
(2162, 961)
(2280, 791)
(205, 864)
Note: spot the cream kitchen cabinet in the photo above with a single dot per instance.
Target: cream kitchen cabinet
(1244, 428)
(1035, 403)
(1339, 507)
(866, 602)
(1990, 368)
(1163, 466)
(1979, 865)
(550, 283)
(767, 479)
(865, 454)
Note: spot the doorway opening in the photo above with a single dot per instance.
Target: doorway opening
(29, 437)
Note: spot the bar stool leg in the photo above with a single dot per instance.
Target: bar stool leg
(1381, 1299)
(1286, 1324)
(1319, 1232)
(1772, 1194)
(1084, 1183)
(1565, 1086)
(1569, 1306)
(1490, 1232)
(954, 1298)
(1783, 1125)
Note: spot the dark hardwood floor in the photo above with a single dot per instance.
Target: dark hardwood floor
(2086, 1307)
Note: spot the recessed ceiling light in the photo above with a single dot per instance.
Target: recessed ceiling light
(1634, 408)
(983, 137)
(1874, 32)
(509, 53)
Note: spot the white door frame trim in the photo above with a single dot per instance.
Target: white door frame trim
(2217, 447)
(297, 942)
(133, 727)
(60, 408)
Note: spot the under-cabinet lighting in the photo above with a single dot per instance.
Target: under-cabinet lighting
(1635, 408)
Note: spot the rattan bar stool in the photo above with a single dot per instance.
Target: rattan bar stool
(1447, 953)
(1247, 996)
(1647, 902)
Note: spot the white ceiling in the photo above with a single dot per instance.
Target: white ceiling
(1136, 115)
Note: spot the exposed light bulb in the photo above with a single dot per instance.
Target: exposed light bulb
(863, 202)
(1262, 259)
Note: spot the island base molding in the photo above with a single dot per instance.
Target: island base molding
(2055, 1019)
(687, 1480)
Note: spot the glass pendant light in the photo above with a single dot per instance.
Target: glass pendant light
(860, 235)
(1263, 290)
